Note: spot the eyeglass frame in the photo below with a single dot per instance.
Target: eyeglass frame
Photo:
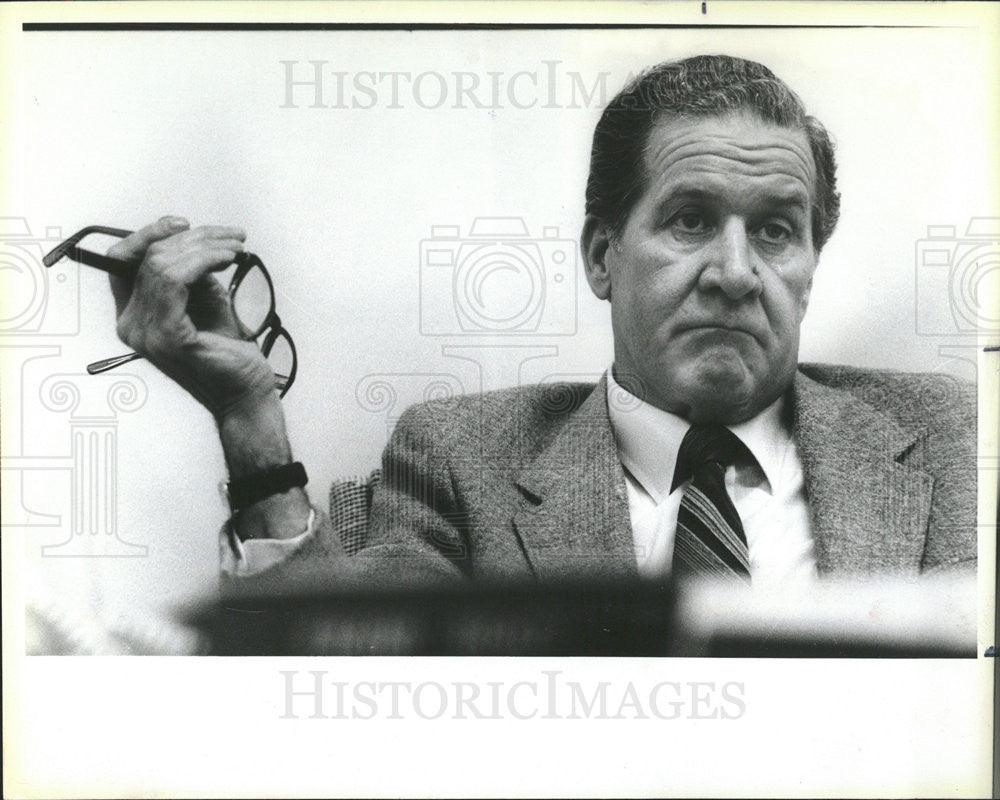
(128, 269)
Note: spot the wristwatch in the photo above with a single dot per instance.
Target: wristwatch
(249, 489)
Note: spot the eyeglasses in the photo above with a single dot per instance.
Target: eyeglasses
(251, 298)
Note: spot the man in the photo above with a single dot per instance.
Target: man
(707, 448)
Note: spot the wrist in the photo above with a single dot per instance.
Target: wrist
(254, 436)
(254, 440)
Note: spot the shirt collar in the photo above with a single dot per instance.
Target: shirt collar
(648, 439)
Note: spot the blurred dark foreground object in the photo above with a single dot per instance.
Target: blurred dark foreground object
(926, 618)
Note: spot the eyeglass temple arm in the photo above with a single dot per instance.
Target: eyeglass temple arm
(124, 268)
(114, 266)
(110, 363)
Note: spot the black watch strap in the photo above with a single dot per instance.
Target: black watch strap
(252, 488)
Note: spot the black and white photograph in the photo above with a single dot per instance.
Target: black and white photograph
(466, 400)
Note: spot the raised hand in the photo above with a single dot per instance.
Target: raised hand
(177, 314)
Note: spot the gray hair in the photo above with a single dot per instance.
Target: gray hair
(702, 86)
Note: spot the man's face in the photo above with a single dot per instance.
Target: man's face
(710, 277)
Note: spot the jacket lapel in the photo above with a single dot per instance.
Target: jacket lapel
(869, 512)
(574, 521)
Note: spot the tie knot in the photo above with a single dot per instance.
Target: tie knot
(708, 444)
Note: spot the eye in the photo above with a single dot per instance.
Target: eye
(689, 221)
(774, 232)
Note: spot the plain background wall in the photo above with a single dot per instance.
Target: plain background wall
(120, 128)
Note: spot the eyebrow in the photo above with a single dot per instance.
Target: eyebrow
(795, 198)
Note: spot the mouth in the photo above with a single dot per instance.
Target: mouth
(718, 328)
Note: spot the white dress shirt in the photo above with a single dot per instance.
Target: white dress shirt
(770, 498)
(256, 555)
(769, 495)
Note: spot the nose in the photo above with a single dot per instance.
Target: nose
(729, 263)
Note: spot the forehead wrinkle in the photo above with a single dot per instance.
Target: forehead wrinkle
(736, 143)
(783, 190)
(754, 158)
(714, 165)
(740, 129)
(762, 160)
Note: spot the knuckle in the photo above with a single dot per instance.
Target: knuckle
(132, 336)
(158, 262)
(167, 225)
(124, 331)
(161, 342)
(155, 347)
(169, 335)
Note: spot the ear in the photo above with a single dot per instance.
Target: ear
(595, 244)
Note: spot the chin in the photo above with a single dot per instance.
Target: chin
(725, 405)
(720, 389)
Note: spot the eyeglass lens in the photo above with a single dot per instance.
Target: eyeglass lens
(253, 301)
(252, 297)
(280, 354)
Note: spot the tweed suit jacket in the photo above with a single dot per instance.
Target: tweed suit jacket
(526, 484)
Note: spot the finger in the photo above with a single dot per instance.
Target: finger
(134, 246)
(235, 245)
(156, 306)
(188, 266)
(217, 232)
(182, 259)
(182, 249)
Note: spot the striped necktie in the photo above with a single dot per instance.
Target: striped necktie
(710, 539)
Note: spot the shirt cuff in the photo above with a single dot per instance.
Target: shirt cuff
(242, 559)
